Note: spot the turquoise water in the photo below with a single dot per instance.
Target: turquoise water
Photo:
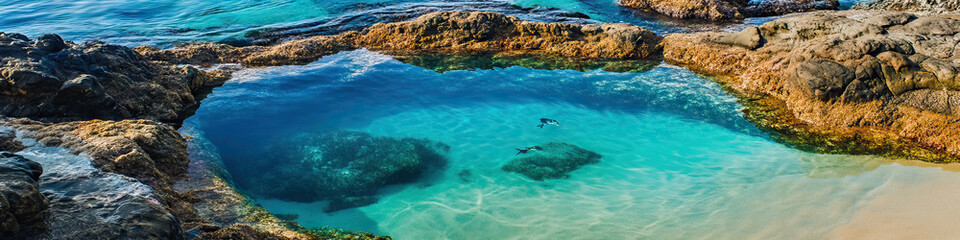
(168, 22)
(139, 22)
(678, 160)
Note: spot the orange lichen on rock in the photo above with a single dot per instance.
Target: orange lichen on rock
(448, 32)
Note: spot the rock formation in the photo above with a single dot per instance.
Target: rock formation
(849, 82)
(21, 203)
(937, 6)
(51, 79)
(345, 167)
(716, 10)
(365, 16)
(554, 160)
(448, 32)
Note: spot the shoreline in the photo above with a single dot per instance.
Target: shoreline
(906, 124)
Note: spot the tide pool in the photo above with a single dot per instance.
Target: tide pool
(679, 162)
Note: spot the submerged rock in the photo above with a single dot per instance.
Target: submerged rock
(728, 9)
(447, 32)
(21, 203)
(346, 167)
(862, 82)
(52, 79)
(555, 160)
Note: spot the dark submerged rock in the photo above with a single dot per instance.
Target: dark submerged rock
(346, 167)
(556, 160)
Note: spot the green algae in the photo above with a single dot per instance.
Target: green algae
(771, 115)
(555, 160)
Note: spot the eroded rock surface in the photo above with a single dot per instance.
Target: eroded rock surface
(553, 160)
(937, 6)
(874, 82)
(48, 78)
(21, 204)
(86, 203)
(366, 15)
(728, 9)
(448, 32)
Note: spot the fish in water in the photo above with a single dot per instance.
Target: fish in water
(547, 121)
(527, 149)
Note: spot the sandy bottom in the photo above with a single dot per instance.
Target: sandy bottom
(661, 177)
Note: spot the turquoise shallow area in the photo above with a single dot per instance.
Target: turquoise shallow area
(678, 160)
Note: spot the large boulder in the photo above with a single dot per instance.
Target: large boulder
(51, 79)
(821, 79)
(552, 160)
(21, 203)
(345, 167)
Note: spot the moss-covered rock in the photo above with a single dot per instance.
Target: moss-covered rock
(346, 167)
(556, 160)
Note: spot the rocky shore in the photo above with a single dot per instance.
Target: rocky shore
(115, 110)
(723, 10)
(935, 6)
(104, 119)
(863, 82)
(50, 79)
(439, 32)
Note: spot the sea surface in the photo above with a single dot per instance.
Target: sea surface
(679, 161)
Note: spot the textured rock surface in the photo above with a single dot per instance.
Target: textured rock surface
(345, 167)
(51, 79)
(556, 160)
(727, 9)
(852, 81)
(938, 6)
(449, 32)
(151, 152)
(21, 203)
(368, 16)
(86, 203)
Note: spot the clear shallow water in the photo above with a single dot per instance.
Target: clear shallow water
(678, 161)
